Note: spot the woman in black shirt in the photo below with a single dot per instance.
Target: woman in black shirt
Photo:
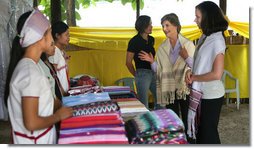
(144, 76)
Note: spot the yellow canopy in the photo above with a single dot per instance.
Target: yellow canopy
(105, 57)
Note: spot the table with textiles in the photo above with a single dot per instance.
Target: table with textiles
(113, 115)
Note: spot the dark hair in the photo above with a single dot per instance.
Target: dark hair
(17, 52)
(173, 19)
(142, 23)
(58, 28)
(44, 56)
(213, 19)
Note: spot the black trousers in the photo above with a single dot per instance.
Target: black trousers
(209, 119)
(181, 105)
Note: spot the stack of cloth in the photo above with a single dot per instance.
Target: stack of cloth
(130, 107)
(84, 79)
(117, 89)
(85, 99)
(84, 90)
(157, 127)
(107, 128)
(96, 120)
(119, 92)
(95, 108)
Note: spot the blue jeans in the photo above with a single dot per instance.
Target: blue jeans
(145, 79)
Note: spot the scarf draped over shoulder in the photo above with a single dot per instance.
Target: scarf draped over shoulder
(170, 80)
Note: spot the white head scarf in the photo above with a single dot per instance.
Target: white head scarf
(34, 28)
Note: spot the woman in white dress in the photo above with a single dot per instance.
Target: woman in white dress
(30, 100)
(60, 34)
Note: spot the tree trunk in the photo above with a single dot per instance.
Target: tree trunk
(71, 17)
(55, 11)
(35, 3)
(138, 8)
(223, 6)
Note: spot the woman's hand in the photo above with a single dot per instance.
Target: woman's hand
(64, 112)
(146, 57)
(183, 53)
(188, 78)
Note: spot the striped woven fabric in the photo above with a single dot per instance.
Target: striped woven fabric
(95, 108)
(85, 98)
(130, 107)
(106, 128)
(195, 97)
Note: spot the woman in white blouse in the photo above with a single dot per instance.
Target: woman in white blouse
(30, 100)
(61, 36)
(207, 70)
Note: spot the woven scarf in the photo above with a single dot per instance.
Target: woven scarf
(170, 81)
(195, 100)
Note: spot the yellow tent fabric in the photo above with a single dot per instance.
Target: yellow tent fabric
(237, 63)
(118, 38)
(241, 28)
(104, 51)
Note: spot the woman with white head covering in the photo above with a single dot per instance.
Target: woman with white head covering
(30, 101)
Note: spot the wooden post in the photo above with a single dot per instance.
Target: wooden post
(223, 6)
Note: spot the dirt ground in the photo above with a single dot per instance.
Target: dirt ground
(234, 126)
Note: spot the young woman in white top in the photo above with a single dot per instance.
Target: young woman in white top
(60, 33)
(207, 70)
(30, 100)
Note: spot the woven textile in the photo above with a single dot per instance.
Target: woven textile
(84, 89)
(95, 108)
(170, 77)
(96, 139)
(85, 98)
(116, 88)
(154, 127)
(194, 112)
(92, 120)
(106, 128)
(130, 107)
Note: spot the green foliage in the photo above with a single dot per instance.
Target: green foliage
(84, 4)
(133, 3)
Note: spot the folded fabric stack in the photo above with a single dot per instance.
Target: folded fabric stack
(84, 90)
(130, 107)
(119, 92)
(156, 127)
(84, 79)
(115, 88)
(85, 99)
(107, 128)
(96, 120)
(95, 108)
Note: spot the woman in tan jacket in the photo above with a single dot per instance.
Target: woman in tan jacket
(174, 58)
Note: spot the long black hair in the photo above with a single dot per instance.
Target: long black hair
(58, 28)
(17, 52)
(213, 19)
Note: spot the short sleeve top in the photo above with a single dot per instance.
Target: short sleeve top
(28, 80)
(136, 44)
